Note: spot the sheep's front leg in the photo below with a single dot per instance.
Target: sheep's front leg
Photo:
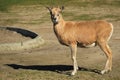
(73, 55)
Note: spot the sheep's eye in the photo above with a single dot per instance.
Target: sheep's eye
(57, 14)
(52, 15)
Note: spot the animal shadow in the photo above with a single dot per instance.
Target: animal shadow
(62, 69)
(23, 32)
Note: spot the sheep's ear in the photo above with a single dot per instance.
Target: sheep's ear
(62, 8)
(49, 8)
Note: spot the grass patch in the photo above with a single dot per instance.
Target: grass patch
(86, 3)
(94, 3)
(5, 4)
(109, 17)
(114, 3)
(93, 17)
(9, 21)
(115, 17)
(84, 17)
(72, 16)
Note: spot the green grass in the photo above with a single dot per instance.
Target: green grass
(93, 17)
(94, 3)
(84, 17)
(67, 15)
(72, 16)
(115, 3)
(115, 17)
(5, 4)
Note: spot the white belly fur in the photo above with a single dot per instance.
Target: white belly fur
(91, 45)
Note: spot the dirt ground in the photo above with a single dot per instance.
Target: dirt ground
(52, 61)
(11, 37)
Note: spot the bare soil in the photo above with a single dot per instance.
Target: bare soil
(52, 61)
